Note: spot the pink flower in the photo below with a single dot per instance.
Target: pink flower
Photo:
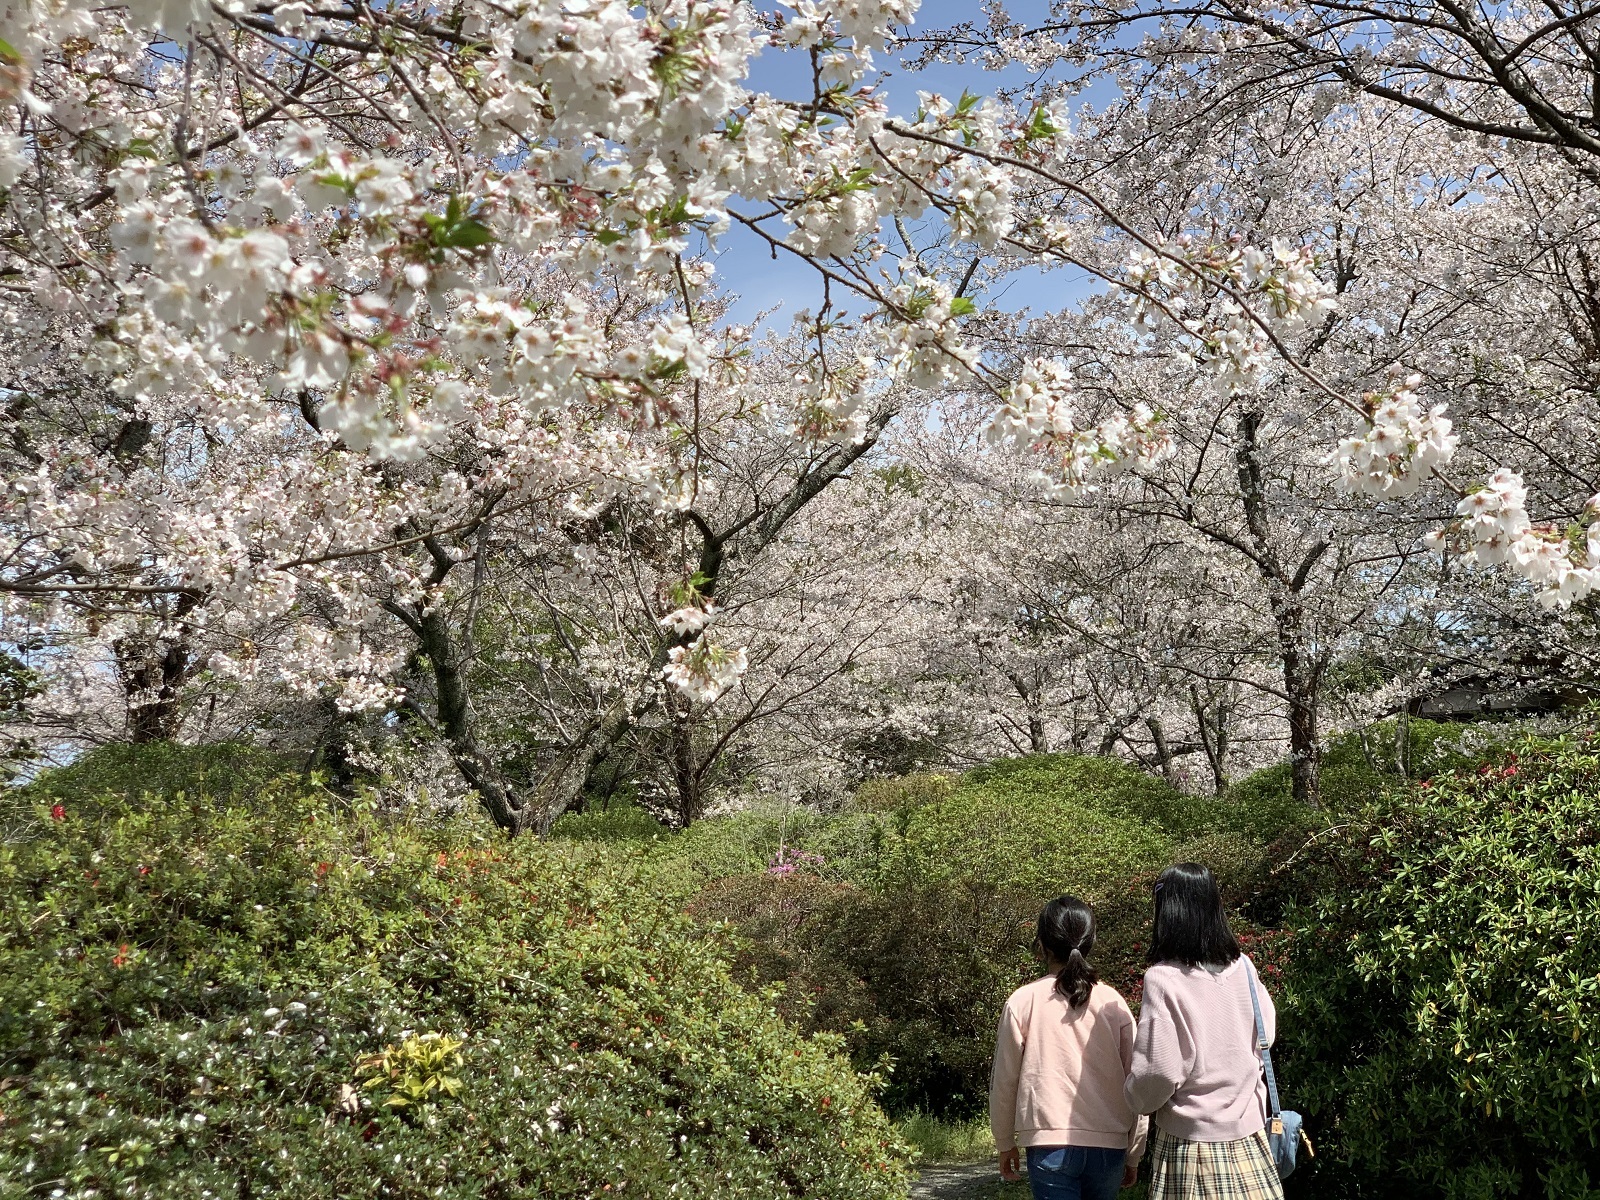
(58, 812)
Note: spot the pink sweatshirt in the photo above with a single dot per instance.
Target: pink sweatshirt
(1195, 1063)
(1059, 1071)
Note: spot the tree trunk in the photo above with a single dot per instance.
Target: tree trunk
(1305, 747)
(1113, 731)
(501, 799)
(1402, 741)
(685, 772)
(1302, 673)
(331, 754)
(153, 669)
(1213, 737)
(1158, 735)
(1033, 704)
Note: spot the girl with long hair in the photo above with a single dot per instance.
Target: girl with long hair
(1196, 1065)
(1060, 1060)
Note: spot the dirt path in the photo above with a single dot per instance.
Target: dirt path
(954, 1182)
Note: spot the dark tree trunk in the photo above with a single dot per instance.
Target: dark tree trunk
(331, 755)
(1402, 742)
(1113, 732)
(1033, 704)
(686, 774)
(153, 669)
(1305, 746)
(1302, 670)
(1212, 723)
(1158, 735)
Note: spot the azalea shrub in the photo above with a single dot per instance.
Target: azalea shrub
(1442, 1023)
(902, 925)
(911, 978)
(285, 995)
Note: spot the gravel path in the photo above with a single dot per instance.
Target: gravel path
(955, 1182)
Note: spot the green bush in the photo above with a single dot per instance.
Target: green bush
(1357, 767)
(912, 979)
(223, 771)
(1026, 839)
(903, 924)
(263, 997)
(903, 791)
(1107, 785)
(1442, 1019)
(1040, 824)
(903, 927)
(616, 823)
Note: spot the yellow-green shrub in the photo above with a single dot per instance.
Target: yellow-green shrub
(193, 995)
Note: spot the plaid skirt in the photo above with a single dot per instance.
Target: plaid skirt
(1240, 1170)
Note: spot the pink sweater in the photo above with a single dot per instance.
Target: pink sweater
(1195, 1063)
(1059, 1072)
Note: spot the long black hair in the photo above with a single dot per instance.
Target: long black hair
(1190, 926)
(1066, 935)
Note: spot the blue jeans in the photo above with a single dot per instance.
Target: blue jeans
(1075, 1172)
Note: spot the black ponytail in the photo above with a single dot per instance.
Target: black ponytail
(1066, 935)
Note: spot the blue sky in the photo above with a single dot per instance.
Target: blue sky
(746, 266)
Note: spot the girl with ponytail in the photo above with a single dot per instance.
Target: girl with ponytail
(1060, 1062)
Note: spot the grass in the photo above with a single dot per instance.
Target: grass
(940, 1141)
(999, 1189)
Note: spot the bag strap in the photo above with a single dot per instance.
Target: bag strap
(1275, 1112)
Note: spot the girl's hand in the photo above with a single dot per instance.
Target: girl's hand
(1010, 1165)
(1130, 1173)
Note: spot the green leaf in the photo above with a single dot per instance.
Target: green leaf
(466, 234)
(1039, 125)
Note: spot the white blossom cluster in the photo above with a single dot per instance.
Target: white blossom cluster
(704, 670)
(921, 339)
(699, 668)
(1039, 416)
(1225, 298)
(1401, 445)
(449, 244)
(832, 404)
(1493, 528)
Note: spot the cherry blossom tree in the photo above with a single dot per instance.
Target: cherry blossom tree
(342, 342)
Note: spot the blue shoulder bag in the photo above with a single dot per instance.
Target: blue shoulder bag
(1284, 1130)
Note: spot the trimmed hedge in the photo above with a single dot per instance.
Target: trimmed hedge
(1442, 1020)
(282, 996)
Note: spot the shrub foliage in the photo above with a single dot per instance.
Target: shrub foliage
(903, 925)
(1444, 1011)
(282, 997)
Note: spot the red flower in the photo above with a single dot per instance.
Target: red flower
(120, 958)
(58, 812)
